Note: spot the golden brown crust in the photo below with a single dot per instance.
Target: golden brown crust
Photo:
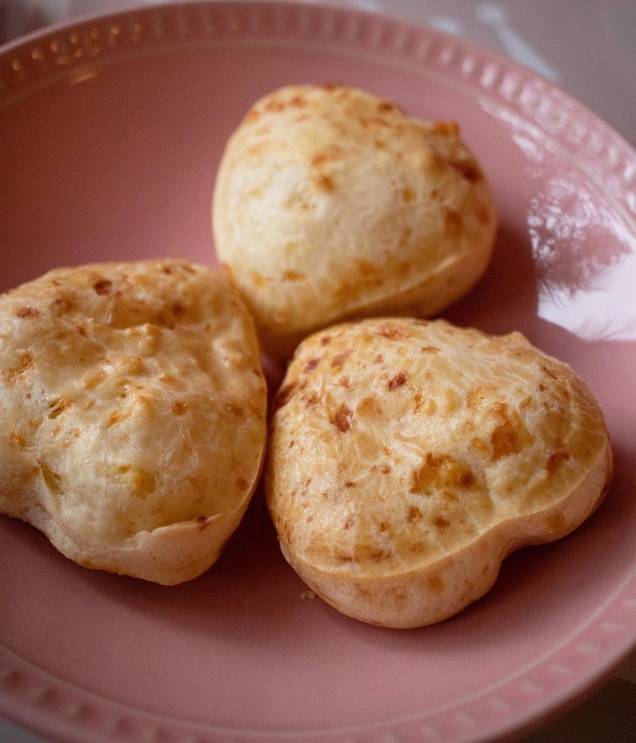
(331, 204)
(407, 458)
(132, 419)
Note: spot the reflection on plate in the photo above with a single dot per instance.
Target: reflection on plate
(111, 133)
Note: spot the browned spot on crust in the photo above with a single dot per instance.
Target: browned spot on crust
(393, 332)
(285, 394)
(414, 515)
(417, 399)
(477, 395)
(379, 359)
(178, 309)
(311, 365)
(325, 183)
(542, 387)
(143, 482)
(26, 312)
(325, 340)
(293, 276)
(430, 349)
(504, 442)
(343, 556)
(376, 554)
(16, 440)
(112, 419)
(235, 409)
(408, 195)
(366, 269)
(241, 483)
(446, 128)
(549, 372)
(441, 472)
(510, 436)
(385, 469)
(338, 361)
(25, 362)
(62, 304)
(103, 286)
(397, 381)
(167, 321)
(344, 382)
(436, 584)
(441, 523)
(385, 107)
(453, 223)
(466, 479)
(179, 407)
(327, 155)
(252, 115)
(258, 279)
(350, 484)
(467, 169)
(81, 330)
(555, 460)
(274, 106)
(342, 418)
(312, 399)
(368, 406)
(526, 403)
(57, 408)
(480, 445)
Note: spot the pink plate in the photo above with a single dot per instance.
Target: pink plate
(110, 135)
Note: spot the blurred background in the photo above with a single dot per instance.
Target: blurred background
(585, 47)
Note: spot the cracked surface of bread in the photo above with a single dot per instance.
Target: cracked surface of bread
(132, 414)
(331, 203)
(407, 458)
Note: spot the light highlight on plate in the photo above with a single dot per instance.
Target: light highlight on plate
(81, 74)
(584, 279)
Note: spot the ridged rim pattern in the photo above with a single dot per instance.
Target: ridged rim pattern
(33, 696)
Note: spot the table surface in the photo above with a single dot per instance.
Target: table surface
(583, 46)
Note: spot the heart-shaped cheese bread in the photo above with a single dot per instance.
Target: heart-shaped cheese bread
(332, 203)
(408, 458)
(132, 414)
